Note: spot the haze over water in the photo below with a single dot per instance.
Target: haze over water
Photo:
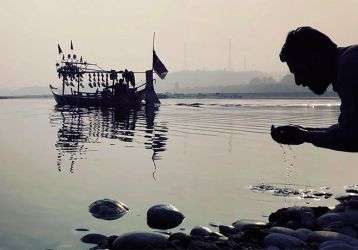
(200, 157)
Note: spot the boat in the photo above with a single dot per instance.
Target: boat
(113, 87)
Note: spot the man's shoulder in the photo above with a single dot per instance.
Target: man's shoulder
(348, 55)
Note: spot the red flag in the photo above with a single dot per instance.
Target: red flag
(159, 67)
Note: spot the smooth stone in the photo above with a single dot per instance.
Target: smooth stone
(97, 239)
(322, 236)
(108, 209)
(227, 230)
(242, 225)
(140, 241)
(111, 239)
(283, 241)
(302, 233)
(352, 190)
(308, 220)
(282, 230)
(330, 242)
(178, 236)
(200, 231)
(330, 218)
(284, 215)
(216, 235)
(338, 246)
(343, 198)
(352, 203)
(164, 216)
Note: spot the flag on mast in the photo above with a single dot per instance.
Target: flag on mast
(59, 49)
(158, 66)
(71, 45)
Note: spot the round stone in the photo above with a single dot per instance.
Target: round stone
(283, 241)
(343, 198)
(200, 231)
(164, 216)
(243, 225)
(108, 209)
(140, 241)
(97, 239)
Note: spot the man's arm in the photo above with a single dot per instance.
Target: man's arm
(333, 137)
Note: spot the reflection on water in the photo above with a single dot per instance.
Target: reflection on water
(79, 128)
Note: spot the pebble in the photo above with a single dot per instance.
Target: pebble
(164, 216)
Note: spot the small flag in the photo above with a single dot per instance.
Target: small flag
(159, 67)
(71, 45)
(59, 49)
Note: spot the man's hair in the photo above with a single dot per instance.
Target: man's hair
(304, 42)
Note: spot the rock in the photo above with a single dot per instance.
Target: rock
(97, 239)
(164, 216)
(294, 214)
(107, 209)
(308, 220)
(282, 230)
(180, 239)
(330, 218)
(215, 235)
(227, 230)
(343, 198)
(111, 239)
(243, 225)
(283, 241)
(352, 190)
(200, 232)
(322, 236)
(319, 211)
(302, 233)
(337, 246)
(139, 241)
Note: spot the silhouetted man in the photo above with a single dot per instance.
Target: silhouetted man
(317, 62)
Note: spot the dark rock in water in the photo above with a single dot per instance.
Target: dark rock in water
(322, 236)
(139, 241)
(352, 190)
(178, 236)
(343, 198)
(338, 246)
(108, 209)
(308, 220)
(82, 229)
(302, 233)
(283, 241)
(330, 218)
(227, 230)
(200, 231)
(284, 215)
(318, 211)
(98, 239)
(333, 244)
(111, 239)
(243, 225)
(215, 235)
(180, 239)
(164, 216)
(282, 230)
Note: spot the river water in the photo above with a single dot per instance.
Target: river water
(203, 156)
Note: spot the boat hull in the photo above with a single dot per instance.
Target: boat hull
(86, 100)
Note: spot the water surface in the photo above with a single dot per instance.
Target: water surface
(200, 155)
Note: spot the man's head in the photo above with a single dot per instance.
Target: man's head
(311, 57)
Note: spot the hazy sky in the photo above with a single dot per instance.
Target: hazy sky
(118, 33)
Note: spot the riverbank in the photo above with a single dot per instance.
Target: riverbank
(299, 227)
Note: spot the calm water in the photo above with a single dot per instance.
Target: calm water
(202, 158)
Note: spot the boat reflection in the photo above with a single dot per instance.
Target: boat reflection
(80, 128)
